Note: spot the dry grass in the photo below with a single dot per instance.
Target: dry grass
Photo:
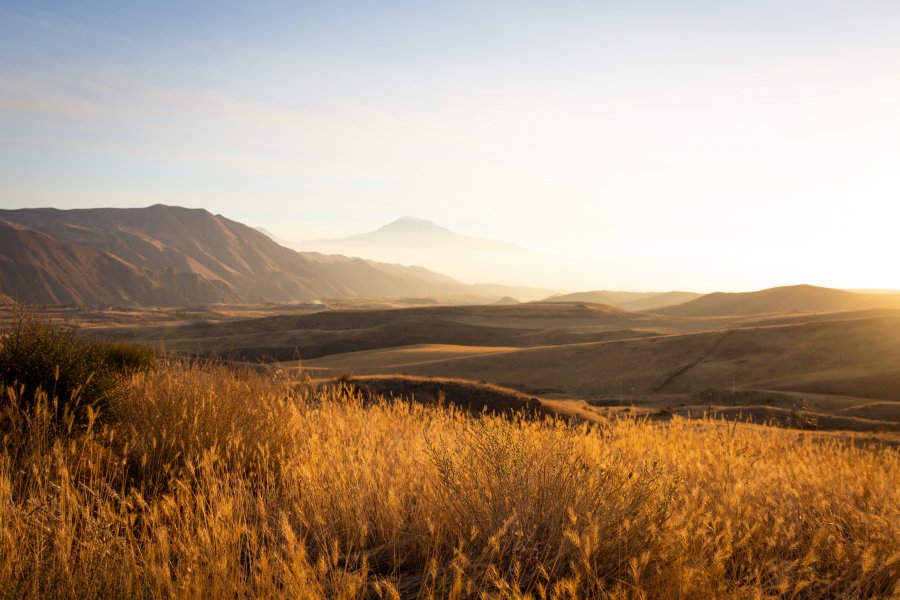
(208, 483)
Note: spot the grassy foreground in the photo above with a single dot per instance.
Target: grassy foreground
(207, 483)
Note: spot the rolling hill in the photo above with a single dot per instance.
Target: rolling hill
(166, 255)
(633, 301)
(333, 332)
(656, 301)
(838, 370)
(855, 357)
(592, 297)
(797, 298)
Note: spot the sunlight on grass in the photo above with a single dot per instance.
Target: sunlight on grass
(204, 482)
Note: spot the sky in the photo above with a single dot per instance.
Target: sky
(648, 145)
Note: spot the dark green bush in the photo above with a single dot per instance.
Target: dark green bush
(124, 358)
(44, 354)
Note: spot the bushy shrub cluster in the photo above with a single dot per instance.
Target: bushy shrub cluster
(50, 355)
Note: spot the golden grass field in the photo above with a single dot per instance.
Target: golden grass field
(834, 371)
(206, 482)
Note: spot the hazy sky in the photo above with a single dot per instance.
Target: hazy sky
(669, 144)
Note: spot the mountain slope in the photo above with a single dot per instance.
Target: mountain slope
(656, 301)
(410, 233)
(331, 332)
(410, 240)
(633, 301)
(40, 269)
(164, 255)
(797, 298)
(593, 297)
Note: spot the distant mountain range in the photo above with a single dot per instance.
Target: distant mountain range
(170, 256)
(411, 234)
(167, 255)
(410, 240)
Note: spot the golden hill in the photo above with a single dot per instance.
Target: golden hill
(797, 298)
(839, 367)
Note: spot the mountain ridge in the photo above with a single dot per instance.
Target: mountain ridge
(413, 229)
(413, 240)
(165, 255)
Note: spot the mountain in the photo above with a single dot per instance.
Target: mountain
(410, 240)
(38, 268)
(797, 298)
(655, 301)
(167, 255)
(411, 233)
(273, 237)
(632, 301)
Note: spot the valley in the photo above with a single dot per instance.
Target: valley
(189, 283)
(837, 371)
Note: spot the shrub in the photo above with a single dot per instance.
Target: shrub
(124, 358)
(50, 355)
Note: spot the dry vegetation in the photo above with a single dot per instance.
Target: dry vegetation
(204, 482)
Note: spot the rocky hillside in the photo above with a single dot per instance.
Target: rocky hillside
(166, 255)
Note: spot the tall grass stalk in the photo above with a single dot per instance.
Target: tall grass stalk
(206, 482)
